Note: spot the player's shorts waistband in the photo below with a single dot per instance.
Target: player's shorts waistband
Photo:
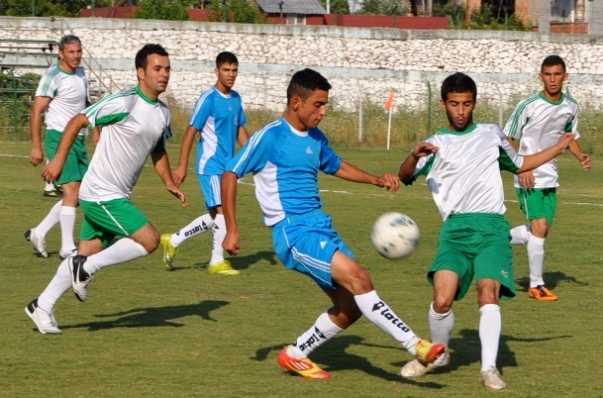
(491, 216)
(305, 218)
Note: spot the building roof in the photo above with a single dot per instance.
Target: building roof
(304, 7)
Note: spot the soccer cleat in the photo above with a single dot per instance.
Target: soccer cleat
(427, 352)
(80, 279)
(38, 242)
(491, 379)
(541, 293)
(44, 321)
(222, 268)
(301, 366)
(169, 251)
(415, 368)
(51, 193)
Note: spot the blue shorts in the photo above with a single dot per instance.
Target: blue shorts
(210, 188)
(307, 243)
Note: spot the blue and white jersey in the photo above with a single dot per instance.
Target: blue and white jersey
(285, 164)
(217, 117)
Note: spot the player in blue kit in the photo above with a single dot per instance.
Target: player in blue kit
(285, 157)
(219, 119)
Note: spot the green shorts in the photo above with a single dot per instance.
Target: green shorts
(109, 220)
(76, 163)
(538, 203)
(475, 246)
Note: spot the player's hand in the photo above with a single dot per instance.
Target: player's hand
(526, 179)
(52, 171)
(585, 161)
(565, 140)
(179, 175)
(390, 181)
(424, 149)
(231, 242)
(174, 190)
(36, 156)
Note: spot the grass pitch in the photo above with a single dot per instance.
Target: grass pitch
(149, 332)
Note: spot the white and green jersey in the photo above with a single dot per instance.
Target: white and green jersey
(538, 123)
(464, 174)
(133, 126)
(68, 93)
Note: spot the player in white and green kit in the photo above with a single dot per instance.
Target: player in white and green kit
(135, 124)
(462, 166)
(62, 93)
(536, 123)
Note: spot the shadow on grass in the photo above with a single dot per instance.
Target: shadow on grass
(154, 316)
(241, 262)
(334, 354)
(551, 279)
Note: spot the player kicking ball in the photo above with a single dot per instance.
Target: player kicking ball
(462, 167)
(285, 158)
(135, 124)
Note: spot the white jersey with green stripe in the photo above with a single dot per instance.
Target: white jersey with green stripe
(68, 93)
(538, 123)
(133, 126)
(464, 174)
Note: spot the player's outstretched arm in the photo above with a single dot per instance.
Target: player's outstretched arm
(407, 168)
(53, 169)
(349, 172)
(242, 136)
(532, 161)
(229, 208)
(161, 163)
(185, 153)
(583, 157)
(35, 129)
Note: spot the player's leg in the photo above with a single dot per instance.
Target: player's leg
(67, 218)
(37, 234)
(217, 263)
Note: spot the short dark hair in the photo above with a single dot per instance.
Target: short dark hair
(143, 54)
(304, 81)
(68, 39)
(458, 83)
(226, 57)
(553, 60)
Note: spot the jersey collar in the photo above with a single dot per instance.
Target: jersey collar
(550, 101)
(472, 126)
(221, 93)
(144, 97)
(294, 130)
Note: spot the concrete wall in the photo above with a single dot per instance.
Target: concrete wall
(360, 63)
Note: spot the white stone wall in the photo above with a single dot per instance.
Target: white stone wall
(360, 63)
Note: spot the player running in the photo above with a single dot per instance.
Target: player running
(62, 93)
(219, 119)
(134, 124)
(462, 167)
(536, 123)
(285, 157)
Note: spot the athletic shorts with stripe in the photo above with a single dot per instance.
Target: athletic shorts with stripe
(110, 220)
(306, 243)
(210, 188)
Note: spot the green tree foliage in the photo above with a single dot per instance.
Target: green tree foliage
(338, 6)
(161, 9)
(235, 11)
(44, 8)
(384, 7)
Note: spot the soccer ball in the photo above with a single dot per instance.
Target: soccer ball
(395, 235)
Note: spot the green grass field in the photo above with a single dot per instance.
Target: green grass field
(148, 332)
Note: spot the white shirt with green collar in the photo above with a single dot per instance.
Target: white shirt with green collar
(133, 126)
(538, 122)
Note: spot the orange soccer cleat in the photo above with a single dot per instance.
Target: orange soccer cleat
(541, 293)
(428, 352)
(302, 366)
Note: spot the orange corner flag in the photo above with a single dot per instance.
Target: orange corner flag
(389, 102)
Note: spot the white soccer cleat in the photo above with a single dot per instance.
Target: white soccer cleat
(492, 379)
(45, 322)
(80, 279)
(415, 368)
(38, 242)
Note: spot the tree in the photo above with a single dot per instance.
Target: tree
(161, 9)
(46, 8)
(337, 6)
(384, 7)
(234, 11)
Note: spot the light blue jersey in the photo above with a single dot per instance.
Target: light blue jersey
(285, 163)
(217, 117)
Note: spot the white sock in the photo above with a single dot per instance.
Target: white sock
(51, 219)
(535, 248)
(520, 235)
(489, 333)
(219, 230)
(440, 325)
(199, 225)
(122, 251)
(322, 330)
(49, 186)
(67, 227)
(378, 312)
(59, 284)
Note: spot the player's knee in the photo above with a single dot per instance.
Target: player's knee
(150, 240)
(540, 228)
(487, 293)
(361, 281)
(442, 303)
